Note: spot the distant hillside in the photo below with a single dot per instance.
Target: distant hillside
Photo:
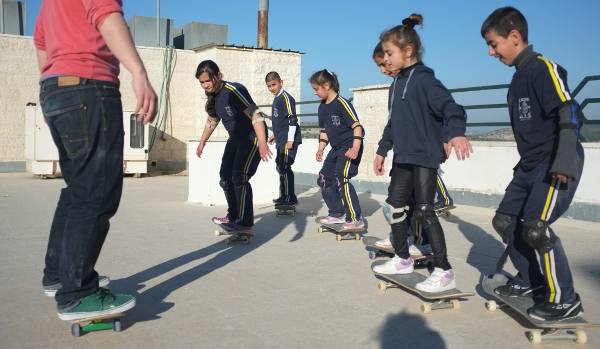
(590, 132)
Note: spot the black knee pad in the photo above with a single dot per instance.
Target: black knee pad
(534, 234)
(501, 222)
(281, 168)
(223, 183)
(238, 179)
(340, 181)
(425, 215)
(323, 181)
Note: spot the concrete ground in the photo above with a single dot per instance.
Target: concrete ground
(290, 288)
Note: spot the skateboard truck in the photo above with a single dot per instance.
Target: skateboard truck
(426, 308)
(96, 324)
(235, 236)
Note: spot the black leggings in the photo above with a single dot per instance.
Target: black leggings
(405, 177)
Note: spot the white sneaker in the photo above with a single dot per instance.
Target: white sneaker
(395, 265)
(386, 243)
(440, 280)
(419, 250)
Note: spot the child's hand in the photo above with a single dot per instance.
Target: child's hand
(319, 155)
(352, 153)
(562, 177)
(461, 145)
(271, 140)
(378, 166)
(200, 149)
(290, 144)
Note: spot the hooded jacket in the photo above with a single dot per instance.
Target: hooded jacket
(423, 116)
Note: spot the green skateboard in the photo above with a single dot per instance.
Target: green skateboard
(96, 324)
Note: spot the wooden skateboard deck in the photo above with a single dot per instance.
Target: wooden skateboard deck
(445, 212)
(95, 324)
(445, 299)
(554, 329)
(285, 210)
(341, 234)
(425, 261)
(234, 235)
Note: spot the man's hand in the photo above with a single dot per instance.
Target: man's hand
(378, 165)
(271, 140)
(462, 147)
(562, 177)
(352, 153)
(200, 149)
(290, 144)
(147, 100)
(319, 155)
(265, 152)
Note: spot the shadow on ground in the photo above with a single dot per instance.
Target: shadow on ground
(398, 331)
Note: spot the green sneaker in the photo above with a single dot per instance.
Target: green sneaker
(50, 291)
(100, 303)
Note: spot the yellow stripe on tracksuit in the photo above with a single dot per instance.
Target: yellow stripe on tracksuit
(234, 90)
(558, 83)
(348, 109)
(347, 191)
(287, 103)
(549, 256)
(443, 191)
(241, 210)
(285, 175)
(417, 233)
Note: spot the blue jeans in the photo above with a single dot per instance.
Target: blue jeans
(86, 123)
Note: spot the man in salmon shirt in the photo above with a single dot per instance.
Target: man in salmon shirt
(79, 45)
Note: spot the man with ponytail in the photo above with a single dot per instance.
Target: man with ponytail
(245, 148)
(546, 121)
(341, 129)
(423, 116)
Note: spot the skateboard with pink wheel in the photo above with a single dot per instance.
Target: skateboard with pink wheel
(234, 235)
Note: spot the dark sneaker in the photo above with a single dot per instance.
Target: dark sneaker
(100, 303)
(287, 203)
(440, 206)
(557, 311)
(278, 200)
(50, 291)
(512, 290)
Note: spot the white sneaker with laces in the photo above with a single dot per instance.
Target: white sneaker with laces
(419, 250)
(440, 280)
(395, 265)
(385, 243)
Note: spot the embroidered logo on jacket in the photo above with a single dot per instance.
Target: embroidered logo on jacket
(230, 110)
(524, 109)
(275, 113)
(336, 120)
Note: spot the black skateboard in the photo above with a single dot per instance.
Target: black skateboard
(552, 330)
(285, 210)
(445, 212)
(95, 323)
(443, 300)
(341, 234)
(425, 261)
(234, 235)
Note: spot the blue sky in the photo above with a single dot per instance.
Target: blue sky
(340, 36)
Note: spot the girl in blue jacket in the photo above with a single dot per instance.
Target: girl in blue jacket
(423, 116)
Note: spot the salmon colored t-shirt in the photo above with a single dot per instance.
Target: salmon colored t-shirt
(68, 31)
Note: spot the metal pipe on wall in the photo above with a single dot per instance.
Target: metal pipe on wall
(1, 16)
(263, 23)
(157, 22)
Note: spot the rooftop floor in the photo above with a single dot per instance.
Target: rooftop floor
(290, 288)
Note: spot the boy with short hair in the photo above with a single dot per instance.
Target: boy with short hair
(286, 136)
(546, 122)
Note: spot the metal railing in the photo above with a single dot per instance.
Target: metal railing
(574, 93)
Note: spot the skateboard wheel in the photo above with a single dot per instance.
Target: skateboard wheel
(293, 213)
(372, 255)
(382, 286)
(228, 241)
(447, 214)
(455, 304)
(117, 325)
(339, 237)
(217, 232)
(535, 337)
(248, 239)
(426, 308)
(491, 305)
(357, 236)
(75, 330)
(320, 230)
(581, 337)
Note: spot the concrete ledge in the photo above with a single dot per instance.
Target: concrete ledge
(578, 210)
(13, 166)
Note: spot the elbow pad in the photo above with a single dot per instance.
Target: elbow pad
(293, 120)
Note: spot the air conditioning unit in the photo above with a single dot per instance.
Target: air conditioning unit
(42, 156)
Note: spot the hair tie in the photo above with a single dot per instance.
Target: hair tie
(328, 72)
(409, 22)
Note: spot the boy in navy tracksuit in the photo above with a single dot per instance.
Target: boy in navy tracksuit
(341, 129)
(546, 122)
(423, 116)
(286, 136)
